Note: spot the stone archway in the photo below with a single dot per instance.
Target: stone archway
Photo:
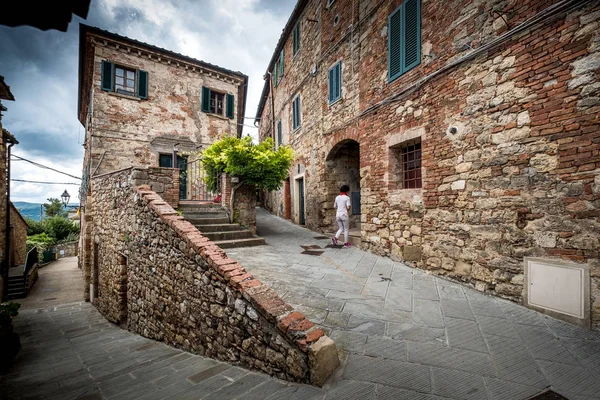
(342, 166)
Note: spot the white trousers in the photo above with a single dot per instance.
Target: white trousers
(343, 225)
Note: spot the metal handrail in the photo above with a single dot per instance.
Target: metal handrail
(30, 261)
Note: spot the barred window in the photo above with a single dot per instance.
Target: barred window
(411, 165)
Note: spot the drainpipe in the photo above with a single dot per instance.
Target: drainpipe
(272, 107)
(7, 242)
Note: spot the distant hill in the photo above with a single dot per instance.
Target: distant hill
(31, 210)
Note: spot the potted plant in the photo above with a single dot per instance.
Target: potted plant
(9, 340)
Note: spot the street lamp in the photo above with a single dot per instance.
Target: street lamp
(65, 198)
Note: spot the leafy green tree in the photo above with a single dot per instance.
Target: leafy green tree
(257, 165)
(35, 227)
(59, 228)
(54, 208)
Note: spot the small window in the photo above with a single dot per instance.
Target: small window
(404, 39)
(335, 83)
(296, 38)
(124, 81)
(217, 101)
(330, 2)
(296, 113)
(410, 154)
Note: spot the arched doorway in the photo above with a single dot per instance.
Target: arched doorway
(343, 167)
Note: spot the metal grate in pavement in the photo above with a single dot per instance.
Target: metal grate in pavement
(548, 395)
(321, 237)
(310, 246)
(312, 252)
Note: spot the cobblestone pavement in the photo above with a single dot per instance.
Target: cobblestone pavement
(404, 334)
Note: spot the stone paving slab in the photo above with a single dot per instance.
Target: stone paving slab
(476, 346)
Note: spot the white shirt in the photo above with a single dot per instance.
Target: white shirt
(342, 203)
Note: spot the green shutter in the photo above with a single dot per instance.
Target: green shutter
(275, 81)
(108, 76)
(338, 81)
(411, 35)
(297, 38)
(281, 61)
(230, 106)
(330, 85)
(279, 133)
(142, 89)
(395, 44)
(205, 99)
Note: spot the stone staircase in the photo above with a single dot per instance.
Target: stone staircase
(212, 221)
(16, 286)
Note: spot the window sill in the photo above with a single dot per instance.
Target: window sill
(125, 96)
(219, 116)
(336, 101)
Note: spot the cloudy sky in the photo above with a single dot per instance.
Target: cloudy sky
(41, 68)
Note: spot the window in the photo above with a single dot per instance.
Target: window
(330, 2)
(124, 80)
(275, 74)
(335, 83)
(296, 112)
(279, 134)
(411, 165)
(296, 38)
(218, 103)
(404, 39)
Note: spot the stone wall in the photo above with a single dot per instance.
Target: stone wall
(128, 131)
(510, 138)
(18, 240)
(69, 249)
(3, 210)
(161, 277)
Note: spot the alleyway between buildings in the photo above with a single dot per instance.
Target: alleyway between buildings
(401, 334)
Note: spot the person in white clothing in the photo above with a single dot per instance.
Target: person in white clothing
(342, 205)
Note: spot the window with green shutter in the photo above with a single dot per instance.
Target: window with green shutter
(275, 77)
(404, 39)
(205, 99)
(281, 62)
(335, 83)
(123, 80)
(108, 76)
(296, 38)
(142, 87)
(296, 113)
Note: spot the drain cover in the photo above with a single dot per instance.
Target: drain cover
(332, 246)
(548, 395)
(51, 298)
(321, 237)
(312, 252)
(310, 246)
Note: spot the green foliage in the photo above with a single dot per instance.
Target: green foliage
(71, 237)
(54, 208)
(60, 228)
(42, 241)
(35, 227)
(9, 309)
(258, 165)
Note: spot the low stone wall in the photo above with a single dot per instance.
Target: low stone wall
(32, 277)
(68, 249)
(157, 273)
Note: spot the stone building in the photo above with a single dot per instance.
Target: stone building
(469, 133)
(6, 142)
(146, 106)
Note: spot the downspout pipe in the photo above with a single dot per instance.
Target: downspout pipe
(272, 107)
(7, 239)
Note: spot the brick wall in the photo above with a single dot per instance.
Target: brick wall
(509, 138)
(169, 283)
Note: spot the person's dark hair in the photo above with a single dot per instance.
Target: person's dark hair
(345, 188)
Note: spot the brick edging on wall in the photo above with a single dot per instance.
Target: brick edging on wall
(293, 325)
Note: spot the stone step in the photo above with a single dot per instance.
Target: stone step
(230, 244)
(196, 215)
(217, 227)
(16, 284)
(231, 235)
(200, 207)
(207, 221)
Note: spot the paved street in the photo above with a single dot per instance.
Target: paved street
(405, 334)
(401, 334)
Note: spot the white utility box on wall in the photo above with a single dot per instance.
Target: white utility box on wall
(558, 288)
